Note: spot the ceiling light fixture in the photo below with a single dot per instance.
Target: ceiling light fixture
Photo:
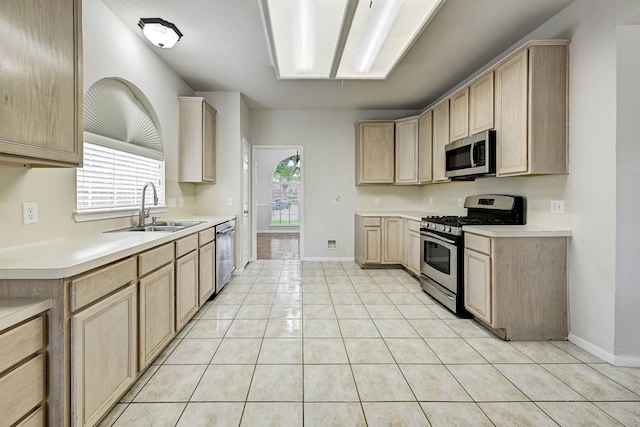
(342, 39)
(160, 32)
(382, 31)
(303, 35)
(379, 22)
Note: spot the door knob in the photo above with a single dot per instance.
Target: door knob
(246, 212)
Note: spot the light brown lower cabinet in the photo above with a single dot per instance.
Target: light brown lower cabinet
(392, 245)
(23, 383)
(368, 240)
(518, 285)
(207, 279)
(413, 263)
(157, 313)
(187, 296)
(36, 419)
(103, 355)
(387, 241)
(105, 327)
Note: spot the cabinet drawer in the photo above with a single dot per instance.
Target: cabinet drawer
(87, 289)
(21, 390)
(477, 243)
(34, 420)
(372, 221)
(21, 342)
(206, 236)
(155, 258)
(414, 225)
(186, 245)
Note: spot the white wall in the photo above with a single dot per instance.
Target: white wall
(328, 141)
(627, 318)
(122, 54)
(595, 147)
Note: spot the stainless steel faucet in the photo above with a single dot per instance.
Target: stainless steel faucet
(144, 214)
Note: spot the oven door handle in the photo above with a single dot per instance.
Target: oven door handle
(442, 239)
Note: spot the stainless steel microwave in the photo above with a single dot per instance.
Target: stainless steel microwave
(471, 157)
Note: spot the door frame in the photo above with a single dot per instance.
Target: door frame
(254, 196)
(247, 191)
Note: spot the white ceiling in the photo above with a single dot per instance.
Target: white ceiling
(224, 49)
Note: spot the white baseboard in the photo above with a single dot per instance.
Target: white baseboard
(343, 259)
(628, 360)
(593, 349)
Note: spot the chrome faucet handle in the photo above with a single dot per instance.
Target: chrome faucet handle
(154, 219)
(146, 215)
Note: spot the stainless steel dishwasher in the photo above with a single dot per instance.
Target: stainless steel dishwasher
(224, 253)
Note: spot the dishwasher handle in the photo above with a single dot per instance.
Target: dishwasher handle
(224, 228)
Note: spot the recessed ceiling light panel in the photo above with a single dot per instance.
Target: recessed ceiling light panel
(305, 35)
(380, 34)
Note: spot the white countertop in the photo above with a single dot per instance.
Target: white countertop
(413, 215)
(527, 230)
(67, 257)
(16, 310)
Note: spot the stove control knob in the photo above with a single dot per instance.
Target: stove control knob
(447, 229)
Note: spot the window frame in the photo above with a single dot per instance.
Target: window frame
(92, 214)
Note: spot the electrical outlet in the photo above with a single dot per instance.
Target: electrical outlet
(459, 203)
(181, 202)
(431, 200)
(557, 206)
(29, 213)
(172, 203)
(336, 200)
(376, 200)
(229, 201)
(332, 244)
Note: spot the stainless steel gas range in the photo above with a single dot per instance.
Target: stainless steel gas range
(442, 244)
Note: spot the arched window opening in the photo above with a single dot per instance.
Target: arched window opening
(122, 149)
(285, 192)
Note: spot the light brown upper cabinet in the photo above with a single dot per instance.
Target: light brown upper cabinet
(375, 152)
(41, 108)
(425, 147)
(481, 104)
(459, 115)
(531, 110)
(440, 139)
(197, 145)
(407, 165)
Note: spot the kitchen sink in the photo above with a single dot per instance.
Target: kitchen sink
(166, 226)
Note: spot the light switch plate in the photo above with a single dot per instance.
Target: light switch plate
(376, 200)
(557, 206)
(229, 201)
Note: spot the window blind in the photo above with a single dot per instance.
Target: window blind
(113, 179)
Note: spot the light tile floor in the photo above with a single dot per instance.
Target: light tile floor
(291, 343)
